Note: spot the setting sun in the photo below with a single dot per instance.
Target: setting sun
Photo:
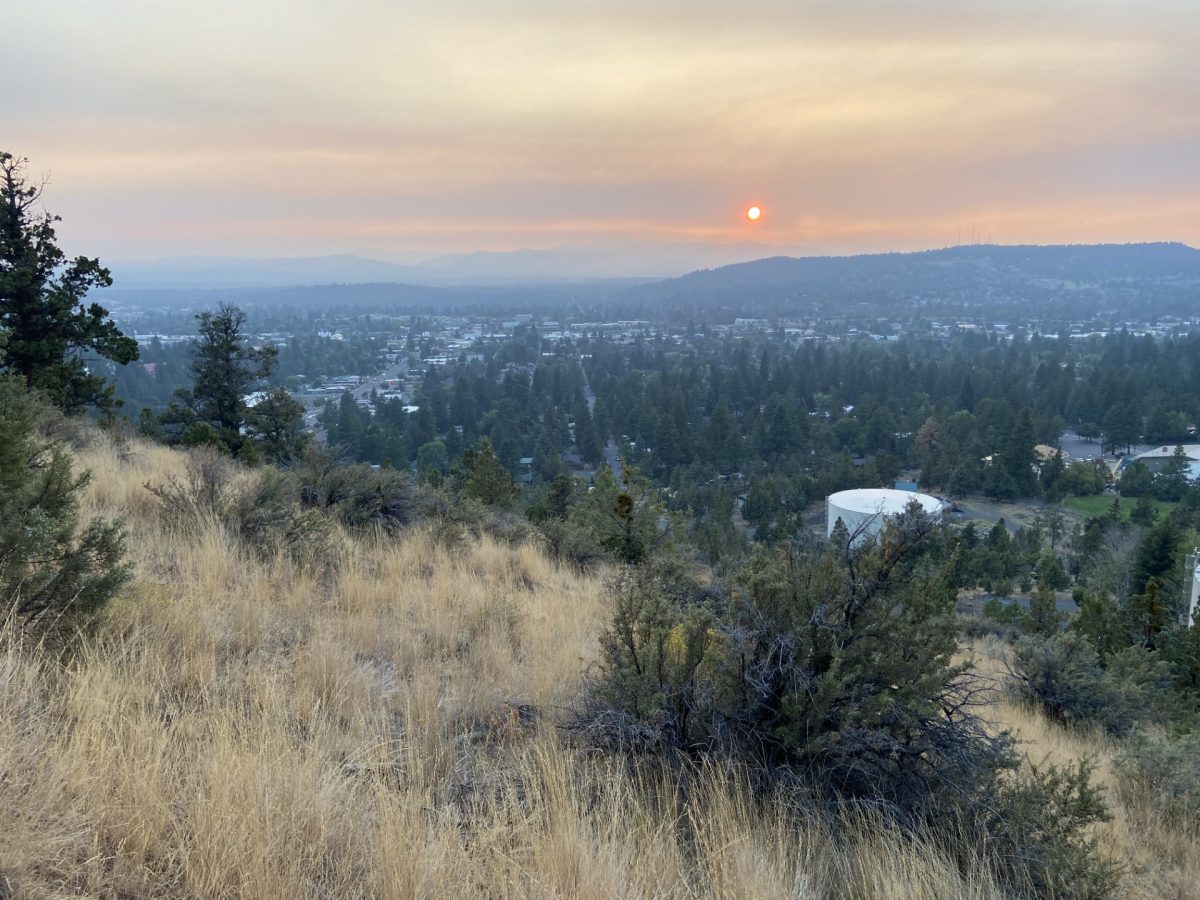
(753, 213)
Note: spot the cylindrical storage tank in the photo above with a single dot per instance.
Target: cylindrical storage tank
(863, 511)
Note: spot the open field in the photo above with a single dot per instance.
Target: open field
(1091, 507)
(385, 726)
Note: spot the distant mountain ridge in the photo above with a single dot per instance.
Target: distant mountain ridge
(1083, 263)
(226, 272)
(1120, 282)
(566, 263)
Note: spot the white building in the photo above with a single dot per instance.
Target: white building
(1156, 459)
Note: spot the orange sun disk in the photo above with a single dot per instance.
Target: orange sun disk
(753, 213)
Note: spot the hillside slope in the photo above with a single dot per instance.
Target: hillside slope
(382, 723)
(1082, 263)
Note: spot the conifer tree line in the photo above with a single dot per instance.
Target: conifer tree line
(782, 424)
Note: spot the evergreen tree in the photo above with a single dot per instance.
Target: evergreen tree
(1017, 456)
(624, 517)
(48, 565)
(483, 478)
(1043, 618)
(998, 483)
(1172, 482)
(1156, 555)
(1122, 425)
(1135, 480)
(275, 422)
(49, 328)
(556, 501)
(1148, 614)
(1051, 478)
(1143, 512)
(432, 459)
(587, 436)
(1050, 572)
(224, 370)
(1100, 621)
(1054, 522)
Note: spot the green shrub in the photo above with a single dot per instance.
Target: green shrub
(50, 566)
(661, 636)
(996, 610)
(204, 493)
(570, 544)
(1062, 675)
(828, 670)
(1040, 837)
(1164, 770)
(356, 495)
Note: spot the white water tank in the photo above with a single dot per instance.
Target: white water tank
(863, 511)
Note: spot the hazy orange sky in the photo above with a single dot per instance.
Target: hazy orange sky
(279, 127)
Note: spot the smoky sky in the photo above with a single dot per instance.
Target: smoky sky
(271, 127)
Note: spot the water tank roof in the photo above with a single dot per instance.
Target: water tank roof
(882, 500)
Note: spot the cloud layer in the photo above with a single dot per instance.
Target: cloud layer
(305, 127)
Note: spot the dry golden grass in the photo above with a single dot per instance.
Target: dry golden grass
(242, 727)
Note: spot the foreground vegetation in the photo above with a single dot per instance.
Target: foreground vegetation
(252, 669)
(243, 722)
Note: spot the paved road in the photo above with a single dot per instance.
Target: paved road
(314, 402)
(375, 382)
(1062, 602)
(612, 456)
(1081, 448)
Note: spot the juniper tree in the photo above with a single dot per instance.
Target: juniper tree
(275, 422)
(48, 564)
(628, 518)
(830, 659)
(483, 478)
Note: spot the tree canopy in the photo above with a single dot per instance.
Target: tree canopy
(225, 369)
(50, 329)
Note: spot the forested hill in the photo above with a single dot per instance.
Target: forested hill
(1071, 278)
(1080, 263)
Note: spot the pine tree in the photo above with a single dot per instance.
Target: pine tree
(1051, 478)
(1148, 614)
(1017, 456)
(1172, 482)
(49, 328)
(625, 517)
(1156, 555)
(483, 478)
(1050, 572)
(1043, 618)
(275, 422)
(587, 436)
(224, 371)
(1100, 620)
(1122, 425)
(1143, 512)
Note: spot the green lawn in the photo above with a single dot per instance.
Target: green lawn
(1102, 503)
